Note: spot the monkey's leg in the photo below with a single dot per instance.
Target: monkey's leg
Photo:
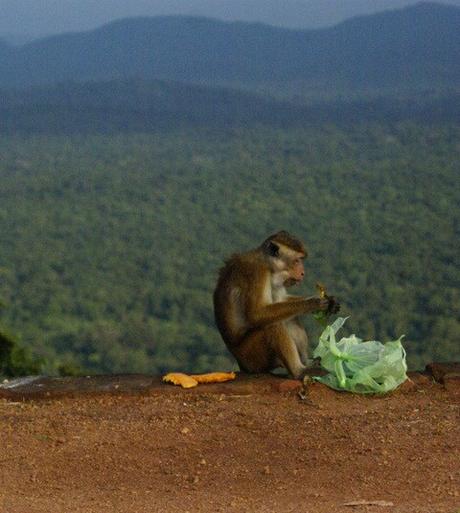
(285, 349)
(253, 353)
(302, 347)
(298, 334)
(266, 349)
(303, 353)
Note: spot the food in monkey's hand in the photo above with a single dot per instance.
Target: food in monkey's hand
(321, 290)
(333, 306)
(190, 381)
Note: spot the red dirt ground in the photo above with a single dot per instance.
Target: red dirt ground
(250, 446)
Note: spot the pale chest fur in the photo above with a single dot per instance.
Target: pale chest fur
(296, 331)
(275, 289)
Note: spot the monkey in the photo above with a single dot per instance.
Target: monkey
(256, 317)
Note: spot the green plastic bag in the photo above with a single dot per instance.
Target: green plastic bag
(357, 366)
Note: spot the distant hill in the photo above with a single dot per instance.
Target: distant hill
(19, 38)
(140, 105)
(413, 47)
(53, 17)
(5, 48)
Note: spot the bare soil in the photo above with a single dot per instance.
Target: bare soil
(250, 446)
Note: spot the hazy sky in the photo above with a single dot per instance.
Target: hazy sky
(43, 17)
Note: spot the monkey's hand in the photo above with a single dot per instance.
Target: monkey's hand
(317, 304)
(333, 306)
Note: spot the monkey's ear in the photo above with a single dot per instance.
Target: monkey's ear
(273, 249)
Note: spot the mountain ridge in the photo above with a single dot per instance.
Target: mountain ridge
(417, 45)
(26, 18)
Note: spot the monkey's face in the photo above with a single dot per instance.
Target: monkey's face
(296, 271)
(287, 264)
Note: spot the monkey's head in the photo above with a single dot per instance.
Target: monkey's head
(285, 255)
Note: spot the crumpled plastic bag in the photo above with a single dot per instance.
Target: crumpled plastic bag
(357, 366)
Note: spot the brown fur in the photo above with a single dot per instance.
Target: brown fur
(288, 240)
(255, 316)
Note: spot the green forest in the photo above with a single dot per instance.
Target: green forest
(111, 242)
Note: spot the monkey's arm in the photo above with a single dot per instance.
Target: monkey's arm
(263, 315)
(332, 308)
(260, 311)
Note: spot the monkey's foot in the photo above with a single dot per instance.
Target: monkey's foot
(304, 392)
(313, 363)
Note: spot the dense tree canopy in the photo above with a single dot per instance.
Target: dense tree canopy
(111, 243)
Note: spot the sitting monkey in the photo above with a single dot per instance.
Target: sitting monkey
(256, 317)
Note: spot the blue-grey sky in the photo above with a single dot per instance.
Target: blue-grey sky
(43, 17)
